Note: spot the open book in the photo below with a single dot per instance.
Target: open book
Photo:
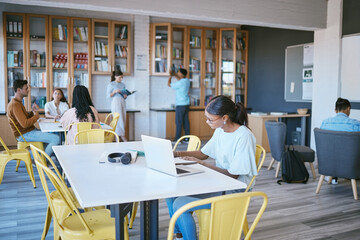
(126, 92)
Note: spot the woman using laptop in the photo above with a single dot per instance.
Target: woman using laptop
(233, 148)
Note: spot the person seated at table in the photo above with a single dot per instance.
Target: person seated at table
(233, 148)
(25, 120)
(82, 110)
(341, 122)
(56, 108)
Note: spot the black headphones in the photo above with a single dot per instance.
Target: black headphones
(124, 158)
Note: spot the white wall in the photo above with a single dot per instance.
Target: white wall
(327, 53)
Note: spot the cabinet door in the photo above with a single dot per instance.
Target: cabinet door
(178, 48)
(195, 64)
(37, 55)
(227, 58)
(241, 66)
(80, 54)
(101, 38)
(14, 60)
(121, 48)
(160, 45)
(60, 50)
(211, 59)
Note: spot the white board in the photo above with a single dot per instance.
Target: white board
(350, 68)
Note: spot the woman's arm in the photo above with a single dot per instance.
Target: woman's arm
(196, 154)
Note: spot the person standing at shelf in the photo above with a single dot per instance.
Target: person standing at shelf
(341, 122)
(182, 101)
(118, 105)
(82, 110)
(25, 120)
(58, 106)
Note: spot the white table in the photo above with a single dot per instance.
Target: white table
(46, 126)
(115, 184)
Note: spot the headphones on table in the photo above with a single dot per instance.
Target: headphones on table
(124, 158)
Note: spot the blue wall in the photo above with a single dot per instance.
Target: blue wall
(267, 72)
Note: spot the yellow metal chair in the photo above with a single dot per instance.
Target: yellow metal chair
(194, 143)
(25, 144)
(204, 214)
(15, 154)
(94, 136)
(114, 120)
(59, 205)
(81, 126)
(227, 215)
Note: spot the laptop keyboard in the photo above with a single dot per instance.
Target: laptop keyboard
(180, 171)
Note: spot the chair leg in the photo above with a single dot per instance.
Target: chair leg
(277, 169)
(126, 231)
(246, 227)
(2, 169)
(30, 171)
(17, 165)
(47, 223)
(133, 214)
(271, 163)
(353, 185)
(320, 183)
(312, 169)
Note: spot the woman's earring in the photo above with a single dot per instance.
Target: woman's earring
(224, 122)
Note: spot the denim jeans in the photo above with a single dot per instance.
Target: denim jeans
(185, 224)
(182, 119)
(50, 139)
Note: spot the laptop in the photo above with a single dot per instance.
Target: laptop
(159, 156)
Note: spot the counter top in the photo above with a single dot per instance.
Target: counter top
(99, 111)
(173, 109)
(279, 115)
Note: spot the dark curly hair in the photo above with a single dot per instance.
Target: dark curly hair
(82, 102)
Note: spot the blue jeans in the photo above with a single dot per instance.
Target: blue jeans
(185, 224)
(50, 139)
(182, 118)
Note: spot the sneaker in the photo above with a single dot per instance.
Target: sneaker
(186, 140)
(334, 181)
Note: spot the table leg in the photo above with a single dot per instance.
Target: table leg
(118, 212)
(303, 130)
(149, 220)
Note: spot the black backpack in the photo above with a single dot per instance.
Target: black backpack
(293, 169)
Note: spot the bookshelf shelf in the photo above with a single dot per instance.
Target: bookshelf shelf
(37, 39)
(15, 38)
(101, 37)
(38, 68)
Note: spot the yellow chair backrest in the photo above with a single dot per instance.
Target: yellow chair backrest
(260, 155)
(81, 126)
(62, 189)
(227, 215)
(4, 146)
(93, 136)
(17, 129)
(115, 118)
(194, 143)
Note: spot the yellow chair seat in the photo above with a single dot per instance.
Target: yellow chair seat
(99, 221)
(15, 154)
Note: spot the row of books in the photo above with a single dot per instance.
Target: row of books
(239, 98)
(101, 64)
(101, 49)
(81, 33)
(12, 76)
(227, 43)
(210, 82)
(194, 64)
(160, 51)
(241, 67)
(82, 79)
(123, 32)
(59, 32)
(60, 79)
(175, 67)
(178, 53)
(38, 79)
(120, 51)
(15, 58)
(208, 98)
(194, 100)
(60, 60)
(39, 100)
(195, 81)
(122, 67)
(37, 59)
(81, 60)
(239, 82)
(161, 66)
(14, 29)
(195, 41)
(210, 67)
(210, 43)
(240, 43)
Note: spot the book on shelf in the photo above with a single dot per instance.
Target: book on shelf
(60, 32)
(195, 81)
(123, 32)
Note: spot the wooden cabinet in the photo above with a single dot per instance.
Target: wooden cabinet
(234, 61)
(111, 47)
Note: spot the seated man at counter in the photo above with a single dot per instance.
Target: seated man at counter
(25, 120)
(341, 122)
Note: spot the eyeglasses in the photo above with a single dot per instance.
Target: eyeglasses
(212, 120)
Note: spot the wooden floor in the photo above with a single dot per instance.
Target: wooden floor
(294, 210)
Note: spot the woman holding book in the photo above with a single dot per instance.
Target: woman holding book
(117, 92)
(58, 106)
(233, 148)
